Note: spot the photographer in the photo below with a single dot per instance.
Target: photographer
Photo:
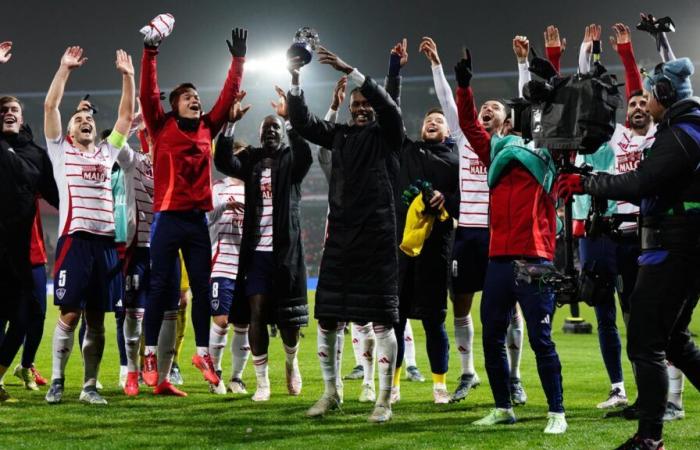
(667, 187)
(613, 253)
(523, 222)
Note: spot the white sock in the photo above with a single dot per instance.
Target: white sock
(291, 355)
(93, 348)
(217, 343)
(339, 344)
(358, 338)
(326, 343)
(386, 361)
(620, 386)
(63, 337)
(150, 350)
(514, 344)
(409, 353)
(368, 352)
(133, 326)
(464, 339)
(260, 363)
(202, 351)
(166, 345)
(675, 385)
(240, 350)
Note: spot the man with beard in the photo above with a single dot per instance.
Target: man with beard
(25, 172)
(358, 274)
(86, 272)
(423, 277)
(615, 257)
(522, 217)
(272, 269)
(182, 196)
(667, 186)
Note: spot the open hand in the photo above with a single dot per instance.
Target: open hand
(5, 49)
(551, 38)
(237, 110)
(327, 57)
(238, 43)
(124, 64)
(339, 93)
(280, 106)
(622, 35)
(72, 58)
(429, 49)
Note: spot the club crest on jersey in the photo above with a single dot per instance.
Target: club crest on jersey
(214, 303)
(60, 293)
(476, 167)
(95, 173)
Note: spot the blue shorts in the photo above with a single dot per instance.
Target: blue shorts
(137, 278)
(221, 292)
(87, 274)
(470, 258)
(260, 273)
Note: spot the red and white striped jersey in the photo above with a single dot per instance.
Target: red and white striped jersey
(84, 186)
(264, 232)
(628, 150)
(474, 190)
(138, 176)
(226, 228)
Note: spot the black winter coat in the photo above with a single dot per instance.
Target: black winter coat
(289, 167)
(423, 279)
(358, 276)
(25, 173)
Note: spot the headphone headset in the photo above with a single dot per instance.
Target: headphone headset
(663, 89)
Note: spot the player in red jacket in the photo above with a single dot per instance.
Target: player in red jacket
(182, 196)
(522, 220)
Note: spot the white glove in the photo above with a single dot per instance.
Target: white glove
(158, 29)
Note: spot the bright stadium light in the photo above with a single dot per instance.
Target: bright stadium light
(274, 63)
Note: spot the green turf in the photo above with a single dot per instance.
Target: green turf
(205, 420)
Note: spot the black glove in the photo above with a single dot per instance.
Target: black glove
(463, 70)
(237, 44)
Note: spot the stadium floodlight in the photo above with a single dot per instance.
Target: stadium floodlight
(275, 63)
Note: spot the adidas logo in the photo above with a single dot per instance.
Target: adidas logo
(383, 360)
(322, 355)
(461, 349)
(546, 320)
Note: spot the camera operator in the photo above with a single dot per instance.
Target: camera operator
(667, 186)
(612, 253)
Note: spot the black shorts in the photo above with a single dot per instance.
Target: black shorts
(470, 257)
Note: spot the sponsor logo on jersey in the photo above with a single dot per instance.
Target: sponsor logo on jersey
(95, 173)
(628, 161)
(266, 190)
(476, 167)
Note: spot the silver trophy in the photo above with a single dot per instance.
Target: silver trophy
(303, 45)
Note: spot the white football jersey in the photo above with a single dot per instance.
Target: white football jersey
(84, 183)
(138, 171)
(264, 231)
(226, 228)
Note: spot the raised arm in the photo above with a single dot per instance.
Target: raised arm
(476, 134)
(237, 46)
(554, 46)
(442, 87)
(224, 160)
(655, 27)
(149, 92)
(397, 59)
(71, 59)
(521, 48)
(324, 156)
(128, 100)
(301, 150)
(622, 43)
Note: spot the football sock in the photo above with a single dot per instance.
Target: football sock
(93, 348)
(409, 354)
(133, 325)
(217, 343)
(464, 339)
(63, 337)
(675, 385)
(326, 343)
(166, 345)
(240, 350)
(260, 363)
(386, 360)
(514, 343)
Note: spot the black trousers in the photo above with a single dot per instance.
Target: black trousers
(662, 305)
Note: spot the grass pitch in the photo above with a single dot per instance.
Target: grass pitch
(206, 420)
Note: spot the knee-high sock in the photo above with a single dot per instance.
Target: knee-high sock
(120, 318)
(261, 372)
(93, 348)
(166, 345)
(133, 326)
(409, 354)
(358, 339)
(63, 337)
(217, 343)
(35, 331)
(675, 385)
(240, 350)
(326, 343)
(339, 344)
(386, 360)
(368, 340)
(514, 343)
(180, 332)
(464, 339)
